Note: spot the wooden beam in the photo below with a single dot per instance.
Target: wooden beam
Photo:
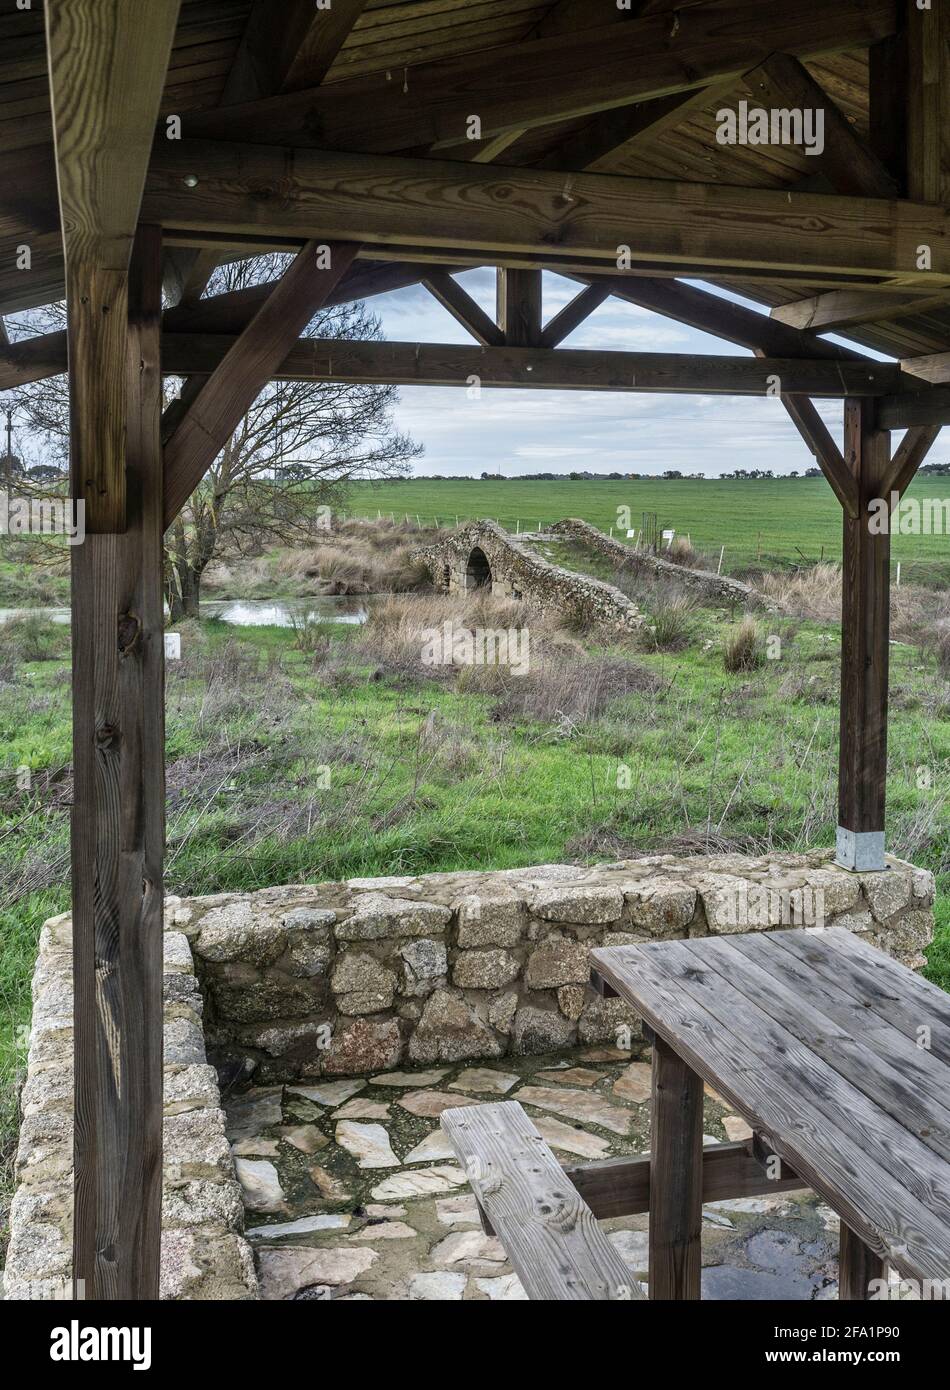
(34, 359)
(908, 456)
(865, 621)
(518, 306)
(837, 309)
(462, 307)
(257, 189)
(621, 1186)
(247, 366)
(450, 364)
(928, 406)
(572, 315)
(118, 833)
(107, 65)
(851, 166)
(543, 81)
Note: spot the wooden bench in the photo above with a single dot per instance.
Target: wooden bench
(549, 1232)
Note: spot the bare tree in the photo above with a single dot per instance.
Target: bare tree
(286, 467)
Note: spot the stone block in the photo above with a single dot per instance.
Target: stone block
(487, 921)
(240, 932)
(365, 1045)
(557, 961)
(662, 909)
(377, 916)
(449, 1031)
(484, 968)
(424, 965)
(584, 906)
(541, 1030)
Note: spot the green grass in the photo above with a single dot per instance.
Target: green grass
(781, 521)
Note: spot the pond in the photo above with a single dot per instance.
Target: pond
(246, 612)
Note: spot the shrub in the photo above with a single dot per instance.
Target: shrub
(681, 552)
(34, 637)
(743, 649)
(672, 624)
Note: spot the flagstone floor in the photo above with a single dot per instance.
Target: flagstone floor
(352, 1192)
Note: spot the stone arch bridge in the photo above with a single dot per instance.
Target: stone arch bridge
(481, 555)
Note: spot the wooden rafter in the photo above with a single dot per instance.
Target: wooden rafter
(547, 80)
(837, 309)
(493, 208)
(573, 314)
(290, 52)
(246, 367)
(463, 308)
(615, 134)
(847, 161)
(907, 458)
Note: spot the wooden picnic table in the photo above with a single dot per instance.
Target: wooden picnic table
(836, 1056)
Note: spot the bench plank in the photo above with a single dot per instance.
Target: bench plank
(549, 1233)
(892, 1190)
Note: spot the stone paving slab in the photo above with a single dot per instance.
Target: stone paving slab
(385, 1213)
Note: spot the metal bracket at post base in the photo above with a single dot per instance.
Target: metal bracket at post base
(861, 851)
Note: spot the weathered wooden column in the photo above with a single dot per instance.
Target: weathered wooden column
(865, 633)
(118, 832)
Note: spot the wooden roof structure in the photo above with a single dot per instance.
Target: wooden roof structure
(388, 143)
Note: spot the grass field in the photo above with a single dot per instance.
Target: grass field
(780, 521)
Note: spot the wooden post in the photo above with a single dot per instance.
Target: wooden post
(865, 629)
(518, 304)
(857, 1266)
(676, 1177)
(118, 831)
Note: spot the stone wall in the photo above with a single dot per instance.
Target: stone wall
(347, 978)
(518, 573)
(204, 1253)
(716, 587)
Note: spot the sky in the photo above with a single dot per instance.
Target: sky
(526, 431)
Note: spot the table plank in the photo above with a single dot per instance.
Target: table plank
(769, 951)
(889, 990)
(893, 1192)
(900, 1088)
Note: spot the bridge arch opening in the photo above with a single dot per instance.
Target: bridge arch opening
(478, 570)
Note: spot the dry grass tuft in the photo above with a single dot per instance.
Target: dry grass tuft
(743, 649)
